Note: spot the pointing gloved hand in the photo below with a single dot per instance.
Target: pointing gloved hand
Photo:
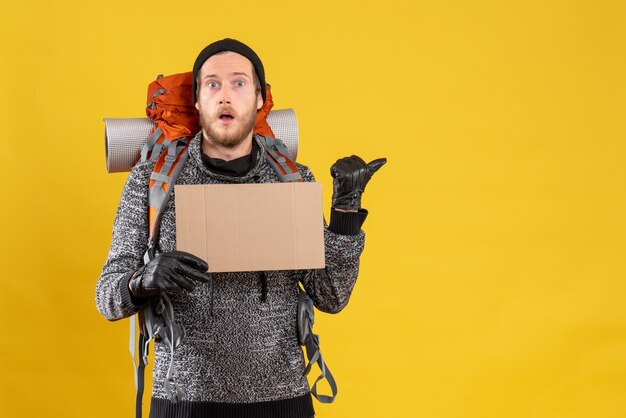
(351, 175)
(171, 272)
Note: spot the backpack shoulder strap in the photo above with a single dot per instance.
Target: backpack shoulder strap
(170, 157)
(277, 155)
(279, 158)
(168, 166)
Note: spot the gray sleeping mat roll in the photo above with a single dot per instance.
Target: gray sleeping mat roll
(124, 137)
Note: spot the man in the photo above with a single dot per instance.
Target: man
(240, 356)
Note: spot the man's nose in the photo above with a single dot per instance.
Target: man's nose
(224, 97)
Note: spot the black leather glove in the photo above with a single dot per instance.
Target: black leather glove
(351, 175)
(170, 272)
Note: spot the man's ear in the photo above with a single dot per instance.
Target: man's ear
(259, 102)
(197, 107)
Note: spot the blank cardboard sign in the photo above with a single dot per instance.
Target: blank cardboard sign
(251, 227)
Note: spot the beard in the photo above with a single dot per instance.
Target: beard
(231, 135)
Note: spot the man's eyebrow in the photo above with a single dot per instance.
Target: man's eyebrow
(240, 73)
(233, 73)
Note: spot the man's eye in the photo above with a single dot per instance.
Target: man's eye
(240, 83)
(212, 84)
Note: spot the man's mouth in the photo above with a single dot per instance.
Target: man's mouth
(226, 117)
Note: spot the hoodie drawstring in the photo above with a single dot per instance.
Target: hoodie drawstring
(263, 287)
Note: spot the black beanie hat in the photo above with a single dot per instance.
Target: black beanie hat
(232, 45)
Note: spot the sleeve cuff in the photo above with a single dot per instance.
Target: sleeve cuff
(128, 299)
(346, 223)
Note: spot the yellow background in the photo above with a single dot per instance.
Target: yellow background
(492, 282)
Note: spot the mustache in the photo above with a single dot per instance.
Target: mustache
(225, 110)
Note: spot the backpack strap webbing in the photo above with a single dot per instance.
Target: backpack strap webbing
(162, 179)
(160, 316)
(139, 383)
(277, 155)
(311, 341)
(143, 343)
